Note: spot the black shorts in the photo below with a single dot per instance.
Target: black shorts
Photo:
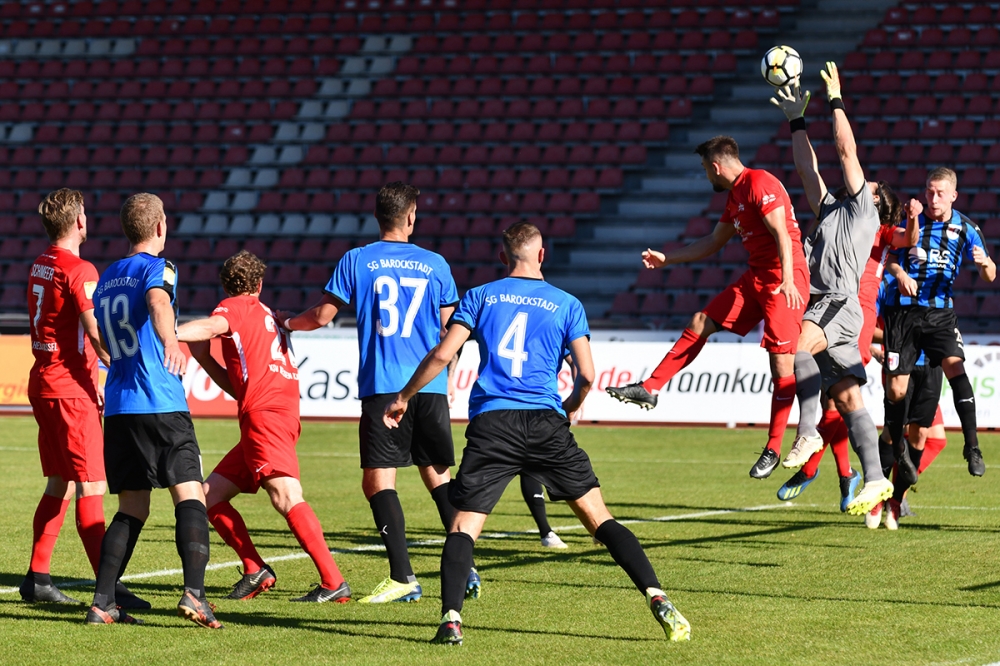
(923, 395)
(423, 437)
(910, 330)
(507, 442)
(146, 451)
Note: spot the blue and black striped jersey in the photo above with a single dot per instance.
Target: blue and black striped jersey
(934, 261)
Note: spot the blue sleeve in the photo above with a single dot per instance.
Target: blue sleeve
(973, 239)
(449, 292)
(576, 322)
(341, 284)
(467, 313)
(160, 274)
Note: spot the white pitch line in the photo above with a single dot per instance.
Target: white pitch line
(428, 542)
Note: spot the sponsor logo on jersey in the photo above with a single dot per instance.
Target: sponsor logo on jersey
(768, 198)
(892, 360)
(953, 231)
(169, 275)
(89, 288)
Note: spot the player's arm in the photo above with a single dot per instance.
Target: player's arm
(775, 223)
(701, 248)
(909, 236)
(446, 313)
(93, 331)
(161, 313)
(793, 104)
(200, 330)
(843, 135)
(579, 350)
(429, 368)
(907, 286)
(202, 352)
(987, 269)
(315, 317)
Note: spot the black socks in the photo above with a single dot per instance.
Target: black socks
(116, 550)
(895, 415)
(627, 552)
(965, 405)
(456, 562)
(534, 497)
(445, 510)
(388, 515)
(191, 537)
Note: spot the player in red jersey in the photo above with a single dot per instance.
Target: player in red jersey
(65, 395)
(773, 289)
(260, 373)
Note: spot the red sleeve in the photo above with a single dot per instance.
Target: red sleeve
(886, 232)
(766, 192)
(726, 218)
(232, 311)
(82, 283)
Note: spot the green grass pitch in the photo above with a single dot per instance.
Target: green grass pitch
(798, 583)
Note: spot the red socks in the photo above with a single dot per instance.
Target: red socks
(932, 447)
(90, 527)
(228, 522)
(834, 431)
(781, 407)
(48, 521)
(679, 357)
(306, 528)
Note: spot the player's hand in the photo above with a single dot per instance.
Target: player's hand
(174, 360)
(394, 413)
(980, 257)
(451, 393)
(574, 417)
(100, 399)
(908, 286)
(914, 209)
(791, 101)
(653, 259)
(878, 354)
(832, 79)
(282, 317)
(793, 298)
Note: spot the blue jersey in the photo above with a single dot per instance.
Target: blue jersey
(398, 290)
(523, 327)
(137, 381)
(934, 261)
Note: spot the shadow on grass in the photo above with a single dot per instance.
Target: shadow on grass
(821, 597)
(980, 587)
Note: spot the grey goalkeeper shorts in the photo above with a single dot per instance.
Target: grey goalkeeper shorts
(841, 319)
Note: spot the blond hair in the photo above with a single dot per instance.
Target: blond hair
(945, 174)
(59, 211)
(517, 237)
(139, 216)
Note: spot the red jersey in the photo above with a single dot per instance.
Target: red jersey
(870, 279)
(60, 287)
(755, 194)
(257, 356)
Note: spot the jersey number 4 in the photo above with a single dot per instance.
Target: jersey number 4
(512, 344)
(119, 345)
(388, 303)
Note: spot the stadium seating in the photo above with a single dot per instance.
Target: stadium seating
(921, 92)
(279, 120)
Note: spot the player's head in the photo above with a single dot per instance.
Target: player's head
(396, 207)
(62, 214)
(890, 208)
(720, 157)
(522, 245)
(144, 221)
(243, 273)
(942, 190)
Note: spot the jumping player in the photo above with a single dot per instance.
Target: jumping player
(65, 396)
(403, 295)
(149, 440)
(828, 359)
(518, 422)
(261, 374)
(919, 316)
(773, 289)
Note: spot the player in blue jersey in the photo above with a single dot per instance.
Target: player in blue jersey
(518, 422)
(920, 317)
(403, 295)
(149, 440)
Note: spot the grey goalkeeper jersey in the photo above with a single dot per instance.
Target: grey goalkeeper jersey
(838, 249)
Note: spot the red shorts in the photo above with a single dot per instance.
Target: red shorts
(742, 305)
(867, 331)
(70, 438)
(266, 449)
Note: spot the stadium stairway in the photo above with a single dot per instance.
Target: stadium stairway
(670, 202)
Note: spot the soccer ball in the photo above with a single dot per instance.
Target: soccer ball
(781, 66)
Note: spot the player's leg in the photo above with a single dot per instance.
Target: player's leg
(456, 565)
(965, 405)
(120, 538)
(902, 336)
(85, 457)
(834, 429)
(534, 496)
(627, 552)
(286, 497)
(864, 439)
(935, 442)
(809, 390)
(46, 524)
(922, 407)
(721, 313)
